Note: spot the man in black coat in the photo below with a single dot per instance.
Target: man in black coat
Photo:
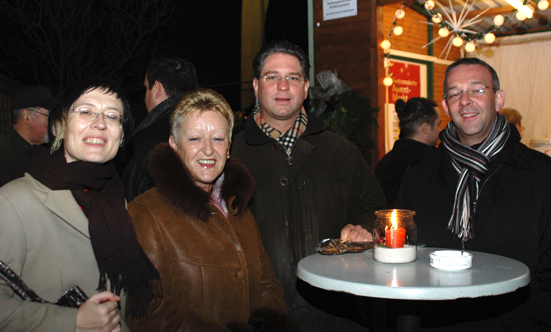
(483, 190)
(166, 80)
(310, 183)
(31, 108)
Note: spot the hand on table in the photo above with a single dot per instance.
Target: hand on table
(99, 313)
(355, 234)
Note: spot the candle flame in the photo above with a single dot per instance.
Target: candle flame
(393, 220)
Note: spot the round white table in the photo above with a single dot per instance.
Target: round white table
(359, 274)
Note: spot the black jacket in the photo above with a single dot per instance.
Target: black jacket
(154, 129)
(12, 146)
(512, 219)
(327, 186)
(393, 165)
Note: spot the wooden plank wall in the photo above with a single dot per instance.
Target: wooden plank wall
(349, 45)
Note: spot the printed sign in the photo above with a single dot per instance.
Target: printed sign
(409, 81)
(333, 9)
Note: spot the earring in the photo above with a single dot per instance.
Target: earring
(228, 157)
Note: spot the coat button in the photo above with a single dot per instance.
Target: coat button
(241, 275)
(283, 182)
(274, 146)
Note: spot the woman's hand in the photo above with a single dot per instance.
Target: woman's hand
(355, 234)
(99, 313)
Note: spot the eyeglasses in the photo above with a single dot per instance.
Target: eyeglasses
(292, 80)
(455, 95)
(34, 111)
(85, 113)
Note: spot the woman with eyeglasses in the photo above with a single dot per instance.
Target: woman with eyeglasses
(196, 228)
(65, 224)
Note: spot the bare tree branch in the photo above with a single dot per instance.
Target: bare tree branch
(61, 41)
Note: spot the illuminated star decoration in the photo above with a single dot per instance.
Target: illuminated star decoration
(455, 26)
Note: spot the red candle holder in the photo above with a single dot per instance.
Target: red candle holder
(395, 236)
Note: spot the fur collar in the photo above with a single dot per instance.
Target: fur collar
(176, 186)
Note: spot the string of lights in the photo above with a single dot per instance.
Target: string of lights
(458, 25)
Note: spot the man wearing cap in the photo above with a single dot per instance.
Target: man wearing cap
(30, 111)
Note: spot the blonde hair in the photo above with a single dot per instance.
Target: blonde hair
(200, 100)
(512, 115)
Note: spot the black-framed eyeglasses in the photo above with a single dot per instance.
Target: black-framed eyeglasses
(455, 94)
(111, 118)
(292, 79)
(35, 111)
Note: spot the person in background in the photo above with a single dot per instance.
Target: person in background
(483, 190)
(513, 117)
(166, 80)
(30, 111)
(65, 224)
(196, 228)
(420, 122)
(311, 184)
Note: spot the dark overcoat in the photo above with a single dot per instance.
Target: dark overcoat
(512, 219)
(393, 165)
(301, 200)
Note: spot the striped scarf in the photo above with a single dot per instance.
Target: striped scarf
(290, 137)
(472, 165)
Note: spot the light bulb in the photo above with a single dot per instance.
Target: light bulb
(543, 4)
(385, 44)
(489, 38)
(457, 41)
(498, 20)
(388, 81)
(398, 30)
(520, 16)
(437, 18)
(470, 47)
(429, 5)
(400, 14)
(443, 32)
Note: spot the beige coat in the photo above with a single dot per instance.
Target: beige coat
(44, 239)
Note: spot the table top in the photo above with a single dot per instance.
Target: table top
(359, 274)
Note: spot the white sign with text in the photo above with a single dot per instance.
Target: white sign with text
(333, 9)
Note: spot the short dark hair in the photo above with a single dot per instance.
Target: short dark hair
(64, 102)
(15, 115)
(281, 46)
(472, 61)
(177, 75)
(414, 113)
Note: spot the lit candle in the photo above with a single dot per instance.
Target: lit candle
(395, 236)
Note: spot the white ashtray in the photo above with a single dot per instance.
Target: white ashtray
(451, 260)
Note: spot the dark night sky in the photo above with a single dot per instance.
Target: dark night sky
(207, 33)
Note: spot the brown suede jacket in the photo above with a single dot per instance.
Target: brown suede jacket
(214, 269)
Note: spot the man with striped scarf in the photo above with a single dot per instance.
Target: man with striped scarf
(483, 190)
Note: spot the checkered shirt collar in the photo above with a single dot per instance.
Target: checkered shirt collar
(290, 137)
